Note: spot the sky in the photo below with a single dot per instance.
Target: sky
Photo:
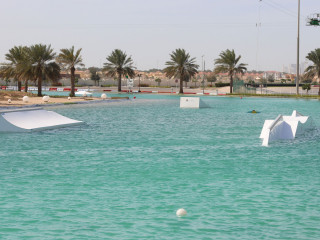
(149, 30)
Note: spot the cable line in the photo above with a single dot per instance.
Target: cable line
(276, 6)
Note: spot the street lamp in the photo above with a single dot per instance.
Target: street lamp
(257, 78)
(203, 67)
(139, 75)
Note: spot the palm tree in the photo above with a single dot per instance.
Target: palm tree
(228, 62)
(27, 71)
(43, 65)
(13, 69)
(119, 65)
(69, 59)
(314, 70)
(181, 66)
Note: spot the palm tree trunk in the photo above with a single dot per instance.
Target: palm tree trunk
(119, 82)
(181, 86)
(231, 83)
(40, 85)
(72, 81)
(19, 85)
(26, 85)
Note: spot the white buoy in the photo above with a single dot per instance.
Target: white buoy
(9, 100)
(46, 98)
(69, 98)
(25, 99)
(181, 212)
(104, 96)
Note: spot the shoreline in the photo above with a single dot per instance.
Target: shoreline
(59, 101)
(35, 101)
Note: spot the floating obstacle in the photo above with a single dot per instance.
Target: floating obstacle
(253, 111)
(286, 127)
(83, 94)
(192, 102)
(33, 119)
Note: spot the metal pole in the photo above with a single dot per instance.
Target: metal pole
(298, 49)
(139, 82)
(202, 70)
(204, 67)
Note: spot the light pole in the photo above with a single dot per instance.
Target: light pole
(139, 75)
(202, 73)
(204, 67)
(298, 49)
(257, 78)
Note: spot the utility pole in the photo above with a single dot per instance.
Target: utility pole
(204, 68)
(298, 50)
(202, 72)
(139, 75)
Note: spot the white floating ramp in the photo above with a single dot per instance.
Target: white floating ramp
(286, 127)
(83, 94)
(33, 119)
(192, 102)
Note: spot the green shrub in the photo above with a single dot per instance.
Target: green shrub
(283, 84)
(144, 85)
(220, 84)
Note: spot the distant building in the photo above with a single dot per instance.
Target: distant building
(68, 75)
(293, 68)
(274, 74)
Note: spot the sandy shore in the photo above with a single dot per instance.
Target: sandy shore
(39, 101)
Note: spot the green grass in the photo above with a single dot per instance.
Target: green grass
(69, 103)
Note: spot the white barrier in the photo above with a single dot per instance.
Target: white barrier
(191, 102)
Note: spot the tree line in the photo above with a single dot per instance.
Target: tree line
(40, 61)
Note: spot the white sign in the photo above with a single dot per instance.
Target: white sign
(129, 82)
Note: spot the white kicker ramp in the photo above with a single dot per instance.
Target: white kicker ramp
(83, 94)
(192, 102)
(33, 119)
(286, 127)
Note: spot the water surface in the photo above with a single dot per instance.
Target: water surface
(124, 174)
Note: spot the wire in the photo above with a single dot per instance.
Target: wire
(279, 8)
(283, 8)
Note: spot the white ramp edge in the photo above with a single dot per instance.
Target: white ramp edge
(83, 94)
(33, 119)
(192, 102)
(286, 127)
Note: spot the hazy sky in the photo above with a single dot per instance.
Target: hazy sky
(150, 30)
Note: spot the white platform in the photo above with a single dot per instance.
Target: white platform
(192, 102)
(33, 119)
(286, 127)
(83, 94)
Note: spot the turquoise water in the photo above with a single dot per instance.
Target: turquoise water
(124, 174)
